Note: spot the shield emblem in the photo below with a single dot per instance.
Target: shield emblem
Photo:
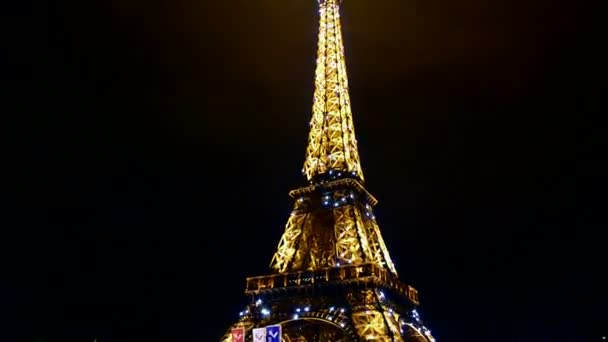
(259, 335)
(238, 335)
(273, 333)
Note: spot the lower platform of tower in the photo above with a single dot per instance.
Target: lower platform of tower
(345, 310)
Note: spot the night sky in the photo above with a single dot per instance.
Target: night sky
(150, 146)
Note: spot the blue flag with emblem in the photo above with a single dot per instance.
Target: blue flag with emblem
(273, 333)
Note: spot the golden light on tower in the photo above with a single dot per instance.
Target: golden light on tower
(332, 279)
(331, 144)
(349, 233)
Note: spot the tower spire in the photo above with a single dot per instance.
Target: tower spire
(331, 143)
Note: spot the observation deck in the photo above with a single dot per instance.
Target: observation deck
(362, 274)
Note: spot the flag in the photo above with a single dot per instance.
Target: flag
(273, 333)
(259, 335)
(238, 335)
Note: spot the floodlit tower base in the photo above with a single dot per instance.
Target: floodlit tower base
(341, 304)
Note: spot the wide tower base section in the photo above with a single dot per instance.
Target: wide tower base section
(338, 304)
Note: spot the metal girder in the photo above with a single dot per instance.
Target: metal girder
(339, 229)
(332, 144)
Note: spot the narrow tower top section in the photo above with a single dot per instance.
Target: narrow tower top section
(332, 146)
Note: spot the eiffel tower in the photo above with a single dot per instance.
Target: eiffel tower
(332, 278)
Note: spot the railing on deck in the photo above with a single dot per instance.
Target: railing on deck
(363, 272)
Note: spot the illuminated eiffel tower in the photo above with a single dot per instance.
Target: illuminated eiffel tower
(332, 278)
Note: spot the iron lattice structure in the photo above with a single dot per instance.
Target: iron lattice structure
(331, 144)
(332, 276)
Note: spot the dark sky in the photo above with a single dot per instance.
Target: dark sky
(150, 146)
